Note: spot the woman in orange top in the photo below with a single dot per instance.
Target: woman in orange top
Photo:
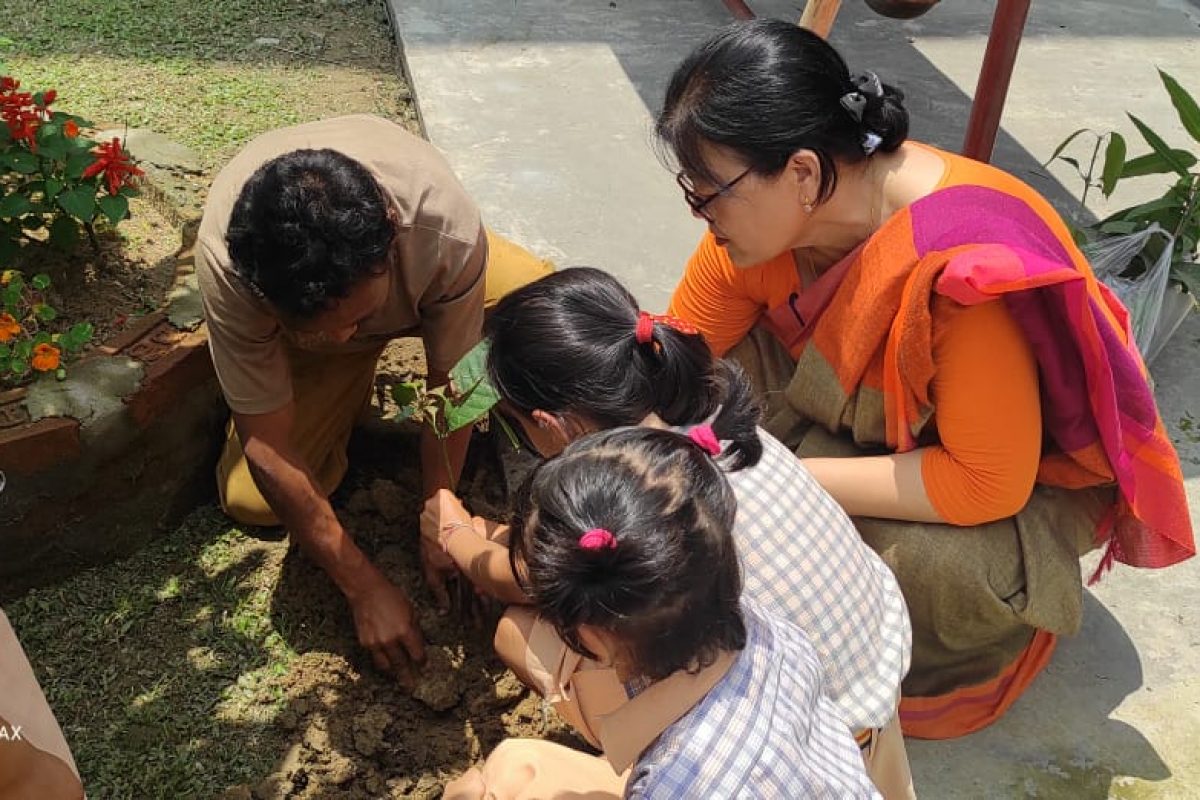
(850, 271)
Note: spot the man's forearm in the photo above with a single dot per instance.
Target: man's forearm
(309, 519)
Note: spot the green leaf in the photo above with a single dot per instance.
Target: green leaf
(77, 163)
(60, 374)
(1154, 164)
(1158, 146)
(5, 350)
(82, 332)
(23, 162)
(14, 205)
(53, 187)
(1119, 226)
(23, 349)
(471, 368)
(1063, 145)
(53, 147)
(1188, 274)
(115, 207)
(45, 313)
(508, 431)
(1185, 105)
(79, 202)
(41, 337)
(473, 406)
(18, 366)
(1114, 162)
(64, 233)
(41, 281)
(405, 394)
(1074, 162)
(1166, 202)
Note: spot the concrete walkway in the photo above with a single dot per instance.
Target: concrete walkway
(544, 107)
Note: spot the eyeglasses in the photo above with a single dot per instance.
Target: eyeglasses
(699, 202)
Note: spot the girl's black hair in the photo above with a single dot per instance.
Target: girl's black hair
(568, 342)
(669, 588)
(765, 89)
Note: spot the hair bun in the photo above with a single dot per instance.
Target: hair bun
(886, 116)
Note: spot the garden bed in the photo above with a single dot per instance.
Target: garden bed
(214, 662)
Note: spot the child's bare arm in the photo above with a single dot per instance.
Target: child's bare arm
(477, 546)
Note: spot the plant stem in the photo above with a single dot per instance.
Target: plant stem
(1087, 181)
(446, 463)
(91, 232)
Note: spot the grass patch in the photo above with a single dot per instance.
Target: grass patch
(165, 668)
(194, 71)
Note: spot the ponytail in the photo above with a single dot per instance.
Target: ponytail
(576, 341)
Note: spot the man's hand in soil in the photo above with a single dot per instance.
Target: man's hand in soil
(383, 619)
(383, 615)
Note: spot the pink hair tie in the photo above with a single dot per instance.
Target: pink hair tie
(703, 435)
(598, 539)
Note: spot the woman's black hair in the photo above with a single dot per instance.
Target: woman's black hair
(568, 342)
(307, 227)
(669, 585)
(767, 88)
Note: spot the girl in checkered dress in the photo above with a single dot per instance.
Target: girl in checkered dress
(623, 542)
(572, 354)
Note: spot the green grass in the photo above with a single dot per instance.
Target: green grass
(164, 669)
(192, 70)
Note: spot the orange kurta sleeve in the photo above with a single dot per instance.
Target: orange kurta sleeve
(712, 296)
(988, 414)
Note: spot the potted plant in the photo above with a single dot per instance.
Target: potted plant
(1147, 253)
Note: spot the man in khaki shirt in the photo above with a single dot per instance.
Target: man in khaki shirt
(319, 244)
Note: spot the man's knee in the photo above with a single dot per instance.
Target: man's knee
(242, 501)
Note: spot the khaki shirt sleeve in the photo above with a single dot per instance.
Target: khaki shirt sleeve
(247, 346)
(452, 316)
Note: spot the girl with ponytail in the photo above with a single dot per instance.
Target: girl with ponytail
(624, 544)
(572, 354)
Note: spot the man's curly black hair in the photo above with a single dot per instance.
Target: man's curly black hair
(307, 227)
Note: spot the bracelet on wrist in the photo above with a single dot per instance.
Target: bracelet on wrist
(447, 530)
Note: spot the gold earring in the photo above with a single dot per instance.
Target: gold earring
(808, 207)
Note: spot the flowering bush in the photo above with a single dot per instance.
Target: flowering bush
(53, 178)
(26, 347)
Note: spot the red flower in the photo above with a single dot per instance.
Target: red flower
(48, 97)
(70, 129)
(115, 165)
(20, 113)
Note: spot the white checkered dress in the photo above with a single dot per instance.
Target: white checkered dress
(803, 560)
(765, 730)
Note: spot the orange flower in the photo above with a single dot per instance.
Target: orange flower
(70, 129)
(9, 327)
(45, 358)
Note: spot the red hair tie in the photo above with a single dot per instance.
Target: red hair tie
(646, 322)
(598, 539)
(703, 436)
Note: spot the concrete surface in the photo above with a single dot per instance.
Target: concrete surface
(545, 110)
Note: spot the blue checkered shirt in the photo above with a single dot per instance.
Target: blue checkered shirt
(804, 561)
(765, 730)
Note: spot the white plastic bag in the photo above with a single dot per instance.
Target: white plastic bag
(1153, 318)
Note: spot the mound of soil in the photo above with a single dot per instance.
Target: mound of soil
(354, 732)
